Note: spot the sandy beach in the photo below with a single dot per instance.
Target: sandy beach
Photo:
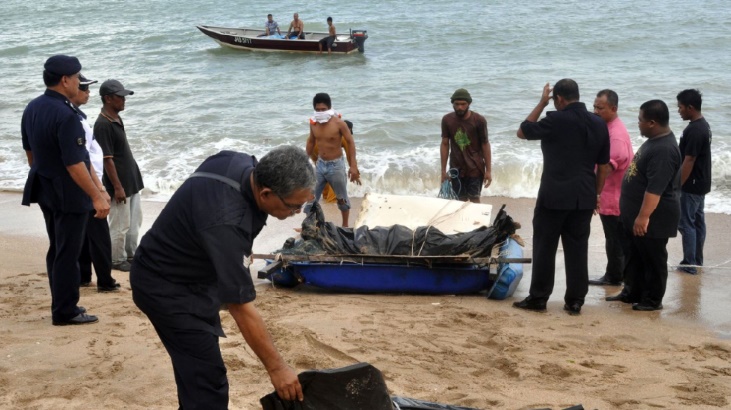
(461, 350)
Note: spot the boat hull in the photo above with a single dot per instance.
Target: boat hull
(499, 282)
(253, 40)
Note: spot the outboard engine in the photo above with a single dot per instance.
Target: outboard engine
(360, 36)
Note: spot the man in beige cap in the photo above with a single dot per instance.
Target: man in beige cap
(465, 143)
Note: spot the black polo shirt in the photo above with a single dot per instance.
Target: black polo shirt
(112, 139)
(573, 142)
(195, 257)
(696, 142)
(51, 130)
(655, 168)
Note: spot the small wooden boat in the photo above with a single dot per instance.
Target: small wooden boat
(255, 39)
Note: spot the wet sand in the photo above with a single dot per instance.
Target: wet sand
(462, 350)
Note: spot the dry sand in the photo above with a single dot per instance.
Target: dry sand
(463, 350)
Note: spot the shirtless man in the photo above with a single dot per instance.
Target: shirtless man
(327, 131)
(296, 28)
(330, 39)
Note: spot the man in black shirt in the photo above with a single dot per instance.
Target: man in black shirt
(195, 259)
(122, 176)
(573, 141)
(695, 179)
(649, 209)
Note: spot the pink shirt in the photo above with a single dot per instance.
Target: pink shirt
(620, 156)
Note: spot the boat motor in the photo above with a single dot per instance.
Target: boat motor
(360, 37)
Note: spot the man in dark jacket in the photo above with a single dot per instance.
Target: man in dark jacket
(573, 141)
(195, 260)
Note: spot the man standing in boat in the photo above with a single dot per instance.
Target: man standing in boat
(326, 132)
(271, 26)
(296, 28)
(465, 143)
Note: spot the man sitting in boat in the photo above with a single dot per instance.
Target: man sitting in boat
(296, 29)
(330, 39)
(271, 26)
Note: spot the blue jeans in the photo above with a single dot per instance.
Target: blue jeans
(692, 227)
(334, 173)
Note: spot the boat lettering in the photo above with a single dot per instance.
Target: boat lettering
(242, 40)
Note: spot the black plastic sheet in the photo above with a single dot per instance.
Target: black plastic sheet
(320, 237)
(357, 387)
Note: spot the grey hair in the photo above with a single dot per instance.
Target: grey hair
(285, 169)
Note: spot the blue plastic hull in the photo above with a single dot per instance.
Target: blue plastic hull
(401, 278)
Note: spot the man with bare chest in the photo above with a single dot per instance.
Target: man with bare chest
(296, 28)
(327, 131)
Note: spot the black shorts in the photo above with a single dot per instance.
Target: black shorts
(467, 187)
(328, 41)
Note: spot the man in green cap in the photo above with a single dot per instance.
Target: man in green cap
(465, 143)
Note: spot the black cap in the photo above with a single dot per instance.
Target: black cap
(114, 87)
(85, 81)
(62, 65)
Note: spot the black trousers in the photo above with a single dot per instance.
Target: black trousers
(613, 237)
(66, 234)
(646, 273)
(573, 228)
(200, 373)
(97, 250)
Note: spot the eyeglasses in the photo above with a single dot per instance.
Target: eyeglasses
(292, 208)
(83, 88)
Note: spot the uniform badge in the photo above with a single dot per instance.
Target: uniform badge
(247, 261)
(80, 141)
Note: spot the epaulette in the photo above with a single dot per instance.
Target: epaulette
(70, 105)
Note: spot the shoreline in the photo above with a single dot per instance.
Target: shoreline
(460, 350)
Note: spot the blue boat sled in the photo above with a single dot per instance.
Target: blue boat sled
(497, 276)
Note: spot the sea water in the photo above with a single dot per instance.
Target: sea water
(194, 98)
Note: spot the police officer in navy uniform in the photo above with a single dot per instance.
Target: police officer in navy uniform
(60, 183)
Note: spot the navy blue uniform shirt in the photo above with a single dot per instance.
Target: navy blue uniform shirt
(52, 131)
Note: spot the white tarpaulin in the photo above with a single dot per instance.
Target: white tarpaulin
(449, 216)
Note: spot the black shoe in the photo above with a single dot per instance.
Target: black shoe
(112, 288)
(604, 281)
(124, 266)
(530, 303)
(80, 309)
(80, 319)
(646, 307)
(85, 284)
(573, 309)
(621, 297)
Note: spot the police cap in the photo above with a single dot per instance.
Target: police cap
(62, 65)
